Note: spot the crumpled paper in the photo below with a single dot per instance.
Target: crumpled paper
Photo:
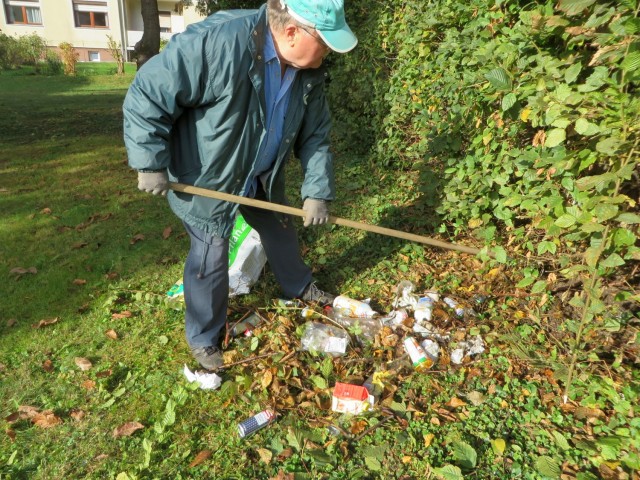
(207, 381)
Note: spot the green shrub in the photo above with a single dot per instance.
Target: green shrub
(52, 64)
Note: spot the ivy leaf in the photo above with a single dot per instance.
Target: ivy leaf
(612, 261)
(608, 146)
(561, 441)
(465, 455)
(631, 63)
(574, 7)
(605, 211)
(448, 472)
(546, 246)
(565, 221)
(547, 466)
(555, 137)
(572, 73)
(591, 256)
(295, 439)
(318, 381)
(598, 182)
(623, 237)
(585, 127)
(508, 101)
(373, 463)
(500, 254)
(630, 218)
(499, 79)
(539, 287)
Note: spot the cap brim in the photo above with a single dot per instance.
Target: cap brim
(341, 41)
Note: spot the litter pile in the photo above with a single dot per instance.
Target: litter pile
(354, 357)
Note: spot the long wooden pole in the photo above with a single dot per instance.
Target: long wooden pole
(252, 202)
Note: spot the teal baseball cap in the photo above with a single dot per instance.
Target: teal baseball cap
(327, 18)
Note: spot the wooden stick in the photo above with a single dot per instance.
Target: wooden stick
(252, 202)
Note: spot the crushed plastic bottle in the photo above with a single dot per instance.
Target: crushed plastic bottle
(431, 348)
(404, 295)
(325, 339)
(356, 308)
(423, 308)
(459, 311)
(394, 318)
(364, 328)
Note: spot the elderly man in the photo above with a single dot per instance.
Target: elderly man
(223, 107)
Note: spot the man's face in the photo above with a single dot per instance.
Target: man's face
(302, 47)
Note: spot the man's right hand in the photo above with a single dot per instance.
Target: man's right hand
(154, 182)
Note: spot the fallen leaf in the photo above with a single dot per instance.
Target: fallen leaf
(22, 271)
(46, 419)
(428, 438)
(137, 238)
(46, 322)
(406, 459)
(11, 322)
(455, 403)
(46, 211)
(27, 411)
(200, 457)
(283, 476)
(104, 373)
(166, 233)
(265, 455)
(476, 398)
(79, 245)
(77, 415)
(14, 417)
(102, 456)
(88, 384)
(111, 334)
(121, 315)
(284, 454)
(11, 434)
(127, 429)
(267, 378)
(47, 365)
(83, 363)
(111, 275)
(587, 412)
(79, 281)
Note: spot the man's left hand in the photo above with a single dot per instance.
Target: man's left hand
(316, 212)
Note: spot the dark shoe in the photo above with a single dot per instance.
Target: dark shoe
(209, 357)
(314, 295)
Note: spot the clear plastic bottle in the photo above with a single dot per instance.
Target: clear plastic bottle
(246, 326)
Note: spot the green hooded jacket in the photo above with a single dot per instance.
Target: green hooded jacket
(198, 110)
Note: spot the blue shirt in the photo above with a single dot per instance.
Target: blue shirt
(277, 92)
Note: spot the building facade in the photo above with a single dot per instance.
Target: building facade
(88, 24)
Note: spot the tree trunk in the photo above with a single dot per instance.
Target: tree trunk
(149, 44)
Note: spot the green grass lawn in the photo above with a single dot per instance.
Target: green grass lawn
(86, 259)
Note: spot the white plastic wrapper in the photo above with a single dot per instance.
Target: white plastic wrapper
(207, 381)
(246, 258)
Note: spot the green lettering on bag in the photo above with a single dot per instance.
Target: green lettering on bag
(240, 231)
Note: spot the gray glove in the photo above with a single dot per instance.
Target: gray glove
(316, 212)
(154, 182)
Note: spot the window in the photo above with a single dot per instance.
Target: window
(26, 12)
(94, 56)
(90, 13)
(165, 22)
